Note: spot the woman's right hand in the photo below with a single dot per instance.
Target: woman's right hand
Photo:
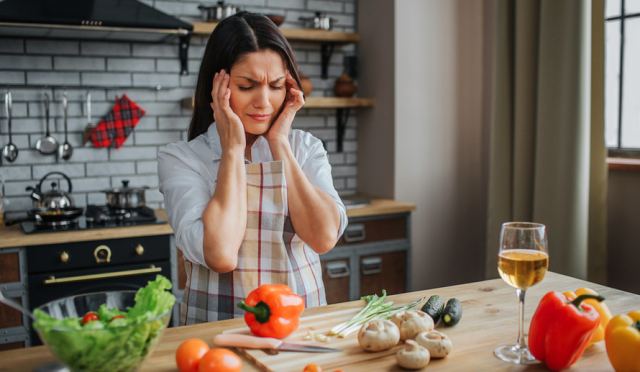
(228, 124)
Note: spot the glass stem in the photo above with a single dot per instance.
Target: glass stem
(521, 339)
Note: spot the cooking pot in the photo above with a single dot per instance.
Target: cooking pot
(125, 197)
(211, 13)
(55, 198)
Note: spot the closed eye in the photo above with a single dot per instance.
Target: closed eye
(245, 88)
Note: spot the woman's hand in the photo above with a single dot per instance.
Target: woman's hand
(228, 124)
(293, 102)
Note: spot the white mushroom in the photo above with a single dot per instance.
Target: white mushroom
(412, 322)
(378, 335)
(438, 344)
(413, 356)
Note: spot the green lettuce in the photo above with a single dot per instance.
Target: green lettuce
(109, 344)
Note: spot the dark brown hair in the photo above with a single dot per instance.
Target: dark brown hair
(235, 36)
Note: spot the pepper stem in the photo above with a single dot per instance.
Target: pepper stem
(261, 311)
(578, 300)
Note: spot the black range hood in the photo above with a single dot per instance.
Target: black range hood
(125, 20)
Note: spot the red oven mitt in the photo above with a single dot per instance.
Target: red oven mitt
(114, 129)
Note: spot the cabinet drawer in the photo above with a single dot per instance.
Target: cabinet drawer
(83, 254)
(374, 230)
(9, 317)
(336, 276)
(9, 267)
(383, 271)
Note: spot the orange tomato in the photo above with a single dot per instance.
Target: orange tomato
(312, 367)
(220, 360)
(189, 354)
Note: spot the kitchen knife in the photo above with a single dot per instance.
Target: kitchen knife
(253, 342)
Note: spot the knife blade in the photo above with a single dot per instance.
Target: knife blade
(253, 342)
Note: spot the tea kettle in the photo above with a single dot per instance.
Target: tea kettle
(54, 198)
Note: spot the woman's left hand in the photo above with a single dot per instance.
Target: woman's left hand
(293, 102)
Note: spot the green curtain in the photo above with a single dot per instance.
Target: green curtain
(547, 151)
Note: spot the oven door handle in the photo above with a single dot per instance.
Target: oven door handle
(80, 278)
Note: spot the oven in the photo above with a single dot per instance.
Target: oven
(61, 270)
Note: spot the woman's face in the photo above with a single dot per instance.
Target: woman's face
(258, 89)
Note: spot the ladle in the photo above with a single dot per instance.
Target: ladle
(65, 150)
(47, 144)
(10, 150)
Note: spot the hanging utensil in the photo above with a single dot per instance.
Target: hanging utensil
(66, 150)
(47, 144)
(10, 150)
(90, 127)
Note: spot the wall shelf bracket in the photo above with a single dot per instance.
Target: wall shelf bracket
(342, 116)
(184, 54)
(326, 51)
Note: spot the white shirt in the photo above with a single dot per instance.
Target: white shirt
(188, 172)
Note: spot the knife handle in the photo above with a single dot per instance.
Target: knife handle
(245, 341)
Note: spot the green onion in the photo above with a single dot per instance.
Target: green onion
(376, 308)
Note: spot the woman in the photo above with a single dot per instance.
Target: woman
(251, 201)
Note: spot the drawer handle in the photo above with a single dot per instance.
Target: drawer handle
(337, 269)
(102, 253)
(371, 265)
(64, 257)
(354, 233)
(80, 278)
(139, 250)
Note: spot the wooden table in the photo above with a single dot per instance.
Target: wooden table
(489, 319)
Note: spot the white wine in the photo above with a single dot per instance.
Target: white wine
(522, 268)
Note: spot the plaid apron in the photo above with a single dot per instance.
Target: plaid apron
(271, 252)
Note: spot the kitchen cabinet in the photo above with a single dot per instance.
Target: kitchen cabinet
(13, 324)
(372, 255)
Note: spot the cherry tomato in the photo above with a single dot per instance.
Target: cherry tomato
(312, 367)
(189, 353)
(89, 317)
(220, 360)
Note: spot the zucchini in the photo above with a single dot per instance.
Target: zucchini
(434, 307)
(452, 312)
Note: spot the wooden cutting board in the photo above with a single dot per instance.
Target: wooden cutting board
(318, 324)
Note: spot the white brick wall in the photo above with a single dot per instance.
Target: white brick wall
(73, 63)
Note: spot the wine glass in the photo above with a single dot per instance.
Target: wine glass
(522, 262)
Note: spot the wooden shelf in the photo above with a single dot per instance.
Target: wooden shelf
(292, 34)
(315, 103)
(624, 164)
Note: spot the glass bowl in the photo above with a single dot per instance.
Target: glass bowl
(121, 346)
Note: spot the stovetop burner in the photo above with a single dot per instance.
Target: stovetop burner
(98, 216)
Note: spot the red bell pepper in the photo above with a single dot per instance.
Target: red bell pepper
(272, 310)
(561, 329)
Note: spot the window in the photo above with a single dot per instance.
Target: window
(622, 75)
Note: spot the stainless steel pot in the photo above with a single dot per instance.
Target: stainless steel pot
(126, 197)
(214, 13)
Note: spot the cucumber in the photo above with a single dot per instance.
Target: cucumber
(434, 307)
(452, 312)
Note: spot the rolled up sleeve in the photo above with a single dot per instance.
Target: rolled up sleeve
(186, 195)
(317, 168)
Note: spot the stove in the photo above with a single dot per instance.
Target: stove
(97, 217)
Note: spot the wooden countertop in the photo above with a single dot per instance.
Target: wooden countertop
(489, 319)
(12, 236)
